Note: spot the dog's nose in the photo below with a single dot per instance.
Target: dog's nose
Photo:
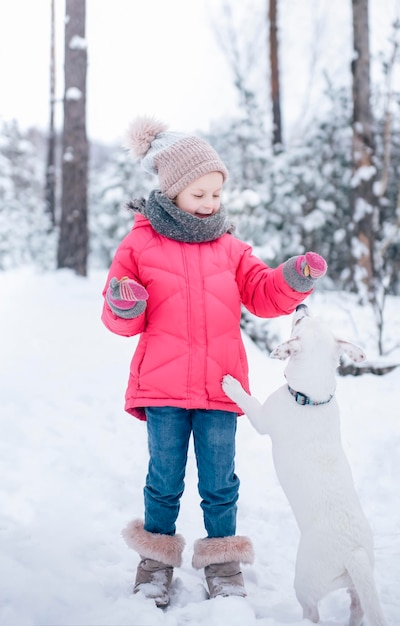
(301, 306)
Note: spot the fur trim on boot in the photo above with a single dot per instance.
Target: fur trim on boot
(222, 550)
(164, 548)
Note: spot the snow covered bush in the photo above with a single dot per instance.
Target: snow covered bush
(26, 235)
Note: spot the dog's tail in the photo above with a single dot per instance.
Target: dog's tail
(360, 571)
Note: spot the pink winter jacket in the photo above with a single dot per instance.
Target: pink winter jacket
(190, 331)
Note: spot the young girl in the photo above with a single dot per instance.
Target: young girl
(179, 279)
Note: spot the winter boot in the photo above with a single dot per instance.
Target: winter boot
(159, 555)
(225, 579)
(220, 557)
(153, 579)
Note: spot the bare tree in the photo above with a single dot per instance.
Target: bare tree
(244, 47)
(391, 227)
(371, 235)
(73, 241)
(274, 68)
(389, 69)
(51, 142)
(363, 201)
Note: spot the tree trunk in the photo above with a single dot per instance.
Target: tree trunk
(51, 143)
(73, 242)
(363, 201)
(274, 68)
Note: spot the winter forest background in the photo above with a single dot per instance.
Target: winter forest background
(328, 183)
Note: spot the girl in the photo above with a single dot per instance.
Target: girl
(179, 279)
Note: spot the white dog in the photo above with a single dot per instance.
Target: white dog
(302, 419)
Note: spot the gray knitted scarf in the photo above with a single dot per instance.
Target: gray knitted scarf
(168, 220)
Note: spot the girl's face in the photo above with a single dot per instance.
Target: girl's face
(202, 197)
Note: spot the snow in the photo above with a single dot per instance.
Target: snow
(314, 220)
(68, 154)
(73, 93)
(73, 465)
(366, 172)
(78, 43)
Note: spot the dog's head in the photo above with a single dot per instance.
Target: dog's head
(313, 352)
(306, 328)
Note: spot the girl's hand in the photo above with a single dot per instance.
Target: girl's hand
(127, 290)
(301, 272)
(311, 265)
(126, 297)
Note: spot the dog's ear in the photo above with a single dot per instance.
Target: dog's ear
(353, 352)
(286, 349)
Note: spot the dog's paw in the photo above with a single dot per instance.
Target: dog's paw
(232, 388)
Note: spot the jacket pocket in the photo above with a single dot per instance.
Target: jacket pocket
(137, 360)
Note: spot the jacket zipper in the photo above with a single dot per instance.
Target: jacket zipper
(189, 306)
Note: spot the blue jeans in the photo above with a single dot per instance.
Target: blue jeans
(169, 430)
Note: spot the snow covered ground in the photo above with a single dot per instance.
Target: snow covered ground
(73, 465)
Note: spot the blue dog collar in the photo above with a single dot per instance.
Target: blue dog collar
(304, 400)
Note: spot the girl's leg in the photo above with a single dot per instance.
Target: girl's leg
(169, 431)
(214, 443)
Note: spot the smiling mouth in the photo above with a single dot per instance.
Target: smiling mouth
(202, 215)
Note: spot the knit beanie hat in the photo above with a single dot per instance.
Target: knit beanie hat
(178, 159)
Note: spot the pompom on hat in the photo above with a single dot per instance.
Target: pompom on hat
(178, 159)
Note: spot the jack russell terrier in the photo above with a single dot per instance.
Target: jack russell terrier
(302, 419)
